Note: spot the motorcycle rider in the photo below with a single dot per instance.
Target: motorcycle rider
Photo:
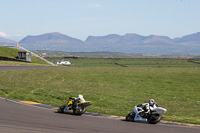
(146, 106)
(72, 103)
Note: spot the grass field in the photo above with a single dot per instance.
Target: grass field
(111, 55)
(113, 89)
(114, 86)
(121, 62)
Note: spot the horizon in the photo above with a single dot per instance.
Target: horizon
(80, 19)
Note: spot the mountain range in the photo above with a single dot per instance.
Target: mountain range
(4, 41)
(128, 43)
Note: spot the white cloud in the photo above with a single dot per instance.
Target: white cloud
(95, 5)
(3, 34)
(6, 35)
(15, 37)
(19, 35)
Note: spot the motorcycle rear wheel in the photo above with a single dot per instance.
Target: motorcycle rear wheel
(81, 111)
(154, 119)
(130, 117)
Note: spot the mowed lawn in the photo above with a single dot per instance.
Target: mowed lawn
(113, 90)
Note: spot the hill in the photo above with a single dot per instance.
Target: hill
(8, 52)
(54, 41)
(4, 41)
(11, 53)
(54, 37)
(128, 43)
(190, 40)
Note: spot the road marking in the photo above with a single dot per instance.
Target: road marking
(29, 102)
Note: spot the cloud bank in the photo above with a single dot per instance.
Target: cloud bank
(3, 34)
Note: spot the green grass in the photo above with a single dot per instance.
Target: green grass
(16, 63)
(114, 86)
(13, 53)
(111, 55)
(8, 52)
(120, 62)
(113, 90)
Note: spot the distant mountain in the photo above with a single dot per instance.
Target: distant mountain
(128, 43)
(128, 39)
(4, 42)
(109, 39)
(131, 38)
(192, 40)
(134, 43)
(52, 41)
(154, 39)
(54, 37)
(51, 38)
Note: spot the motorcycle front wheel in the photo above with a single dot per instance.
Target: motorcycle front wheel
(130, 117)
(61, 109)
(154, 119)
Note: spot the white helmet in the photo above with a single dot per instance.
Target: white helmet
(80, 97)
(151, 102)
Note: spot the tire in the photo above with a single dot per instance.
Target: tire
(154, 119)
(130, 117)
(82, 111)
(61, 109)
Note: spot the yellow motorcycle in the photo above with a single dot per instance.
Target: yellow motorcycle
(74, 106)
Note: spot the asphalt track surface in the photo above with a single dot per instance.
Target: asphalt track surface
(22, 118)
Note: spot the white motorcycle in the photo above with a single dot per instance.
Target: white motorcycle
(153, 116)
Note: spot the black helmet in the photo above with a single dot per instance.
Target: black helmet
(151, 102)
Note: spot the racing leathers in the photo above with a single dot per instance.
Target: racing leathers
(73, 102)
(146, 107)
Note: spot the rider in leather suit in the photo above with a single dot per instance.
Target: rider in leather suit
(146, 106)
(73, 102)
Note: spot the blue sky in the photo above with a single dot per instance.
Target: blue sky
(81, 18)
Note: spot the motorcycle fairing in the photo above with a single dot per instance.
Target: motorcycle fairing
(67, 110)
(158, 110)
(137, 117)
(85, 103)
(70, 110)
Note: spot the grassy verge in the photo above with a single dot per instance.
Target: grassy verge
(113, 90)
(15, 63)
(13, 53)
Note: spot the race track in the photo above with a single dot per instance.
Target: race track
(22, 118)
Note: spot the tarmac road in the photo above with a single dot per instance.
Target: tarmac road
(23, 118)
